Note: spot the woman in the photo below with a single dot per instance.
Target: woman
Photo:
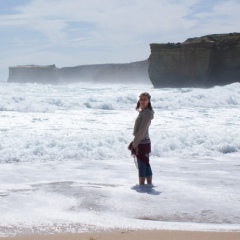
(141, 144)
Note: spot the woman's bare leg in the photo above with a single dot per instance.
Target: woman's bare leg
(141, 180)
(149, 180)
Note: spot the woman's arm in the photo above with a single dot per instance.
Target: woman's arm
(142, 129)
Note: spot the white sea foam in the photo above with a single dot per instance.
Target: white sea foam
(65, 166)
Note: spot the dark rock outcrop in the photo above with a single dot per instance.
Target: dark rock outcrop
(198, 62)
(136, 72)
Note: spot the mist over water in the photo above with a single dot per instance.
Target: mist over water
(64, 161)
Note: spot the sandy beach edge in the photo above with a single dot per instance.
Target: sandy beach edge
(134, 235)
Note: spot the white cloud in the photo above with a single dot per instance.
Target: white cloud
(223, 17)
(120, 21)
(123, 18)
(115, 15)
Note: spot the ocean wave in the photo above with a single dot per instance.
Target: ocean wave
(46, 123)
(49, 98)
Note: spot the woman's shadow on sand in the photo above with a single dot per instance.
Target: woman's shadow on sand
(146, 188)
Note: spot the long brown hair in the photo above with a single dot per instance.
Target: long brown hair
(149, 104)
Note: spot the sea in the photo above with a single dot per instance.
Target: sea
(65, 166)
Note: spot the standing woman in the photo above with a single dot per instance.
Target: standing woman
(141, 144)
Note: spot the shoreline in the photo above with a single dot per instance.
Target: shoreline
(134, 235)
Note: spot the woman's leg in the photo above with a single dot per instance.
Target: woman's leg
(149, 174)
(149, 179)
(141, 180)
(141, 172)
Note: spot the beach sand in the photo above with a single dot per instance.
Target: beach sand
(134, 235)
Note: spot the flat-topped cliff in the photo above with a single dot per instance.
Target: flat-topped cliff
(136, 72)
(33, 73)
(198, 62)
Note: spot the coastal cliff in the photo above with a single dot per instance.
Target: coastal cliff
(33, 73)
(136, 72)
(198, 62)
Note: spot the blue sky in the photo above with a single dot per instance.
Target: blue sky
(76, 32)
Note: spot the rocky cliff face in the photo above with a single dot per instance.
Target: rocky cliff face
(136, 72)
(33, 73)
(198, 62)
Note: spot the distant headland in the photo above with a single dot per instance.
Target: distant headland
(135, 72)
(198, 62)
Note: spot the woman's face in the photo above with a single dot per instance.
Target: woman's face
(144, 101)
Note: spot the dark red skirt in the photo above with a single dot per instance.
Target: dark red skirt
(141, 152)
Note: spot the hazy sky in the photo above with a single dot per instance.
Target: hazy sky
(76, 32)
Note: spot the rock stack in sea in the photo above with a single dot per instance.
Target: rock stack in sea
(198, 62)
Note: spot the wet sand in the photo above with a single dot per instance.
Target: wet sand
(134, 235)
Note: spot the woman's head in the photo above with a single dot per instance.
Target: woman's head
(144, 102)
